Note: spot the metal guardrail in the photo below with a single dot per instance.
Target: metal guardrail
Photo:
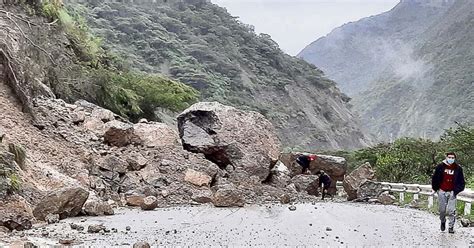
(467, 196)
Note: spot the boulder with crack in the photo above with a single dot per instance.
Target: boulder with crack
(356, 178)
(228, 136)
(66, 202)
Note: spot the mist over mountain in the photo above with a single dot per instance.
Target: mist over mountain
(409, 70)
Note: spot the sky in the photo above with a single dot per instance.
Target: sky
(294, 24)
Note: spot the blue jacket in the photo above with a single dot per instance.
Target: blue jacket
(437, 178)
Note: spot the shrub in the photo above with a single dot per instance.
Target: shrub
(137, 95)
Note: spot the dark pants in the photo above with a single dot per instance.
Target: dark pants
(325, 189)
(305, 166)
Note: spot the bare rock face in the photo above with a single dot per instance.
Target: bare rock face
(153, 134)
(149, 203)
(66, 202)
(228, 136)
(98, 208)
(197, 178)
(356, 178)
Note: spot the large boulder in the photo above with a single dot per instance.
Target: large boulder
(280, 175)
(356, 178)
(227, 195)
(228, 136)
(18, 223)
(66, 202)
(369, 189)
(306, 184)
(335, 167)
(153, 134)
(98, 208)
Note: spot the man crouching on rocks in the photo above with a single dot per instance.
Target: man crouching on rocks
(304, 160)
(448, 180)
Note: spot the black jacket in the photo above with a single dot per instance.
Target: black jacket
(437, 178)
(324, 179)
(303, 160)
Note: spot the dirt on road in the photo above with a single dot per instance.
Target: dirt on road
(319, 224)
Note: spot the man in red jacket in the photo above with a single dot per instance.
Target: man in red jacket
(448, 181)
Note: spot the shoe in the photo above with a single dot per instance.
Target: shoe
(443, 226)
(451, 230)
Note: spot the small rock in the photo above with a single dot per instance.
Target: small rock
(29, 245)
(292, 208)
(66, 241)
(76, 227)
(45, 233)
(141, 245)
(149, 203)
(95, 228)
(465, 222)
(328, 229)
(285, 199)
(128, 228)
(52, 218)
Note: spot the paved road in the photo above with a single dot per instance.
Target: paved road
(322, 224)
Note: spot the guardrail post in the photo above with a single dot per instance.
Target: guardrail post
(467, 208)
(402, 197)
(430, 201)
(416, 197)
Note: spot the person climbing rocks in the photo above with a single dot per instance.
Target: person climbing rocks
(304, 160)
(448, 181)
(324, 183)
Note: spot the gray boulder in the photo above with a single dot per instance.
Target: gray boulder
(98, 208)
(306, 183)
(226, 135)
(66, 202)
(356, 178)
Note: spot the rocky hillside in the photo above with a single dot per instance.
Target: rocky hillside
(408, 70)
(59, 159)
(201, 45)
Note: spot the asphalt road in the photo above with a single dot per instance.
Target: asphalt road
(325, 224)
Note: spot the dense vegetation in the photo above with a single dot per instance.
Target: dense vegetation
(130, 94)
(201, 45)
(413, 160)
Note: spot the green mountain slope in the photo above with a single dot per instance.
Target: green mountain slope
(200, 44)
(416, 78)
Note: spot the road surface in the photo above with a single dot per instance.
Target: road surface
(320, 224)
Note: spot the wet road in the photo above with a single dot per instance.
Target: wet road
(321, 224)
